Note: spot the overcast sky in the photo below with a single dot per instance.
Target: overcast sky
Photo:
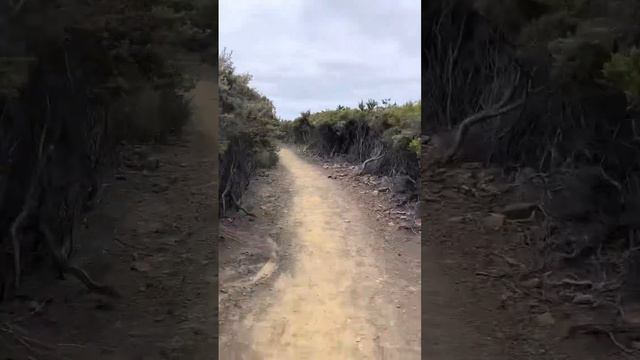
(316, 55)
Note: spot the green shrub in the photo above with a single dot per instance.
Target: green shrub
(414, 145)
(360, 133)
(248, 130)
(266, 159)
(623, 70)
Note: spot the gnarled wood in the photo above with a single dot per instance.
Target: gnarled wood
(500, 108)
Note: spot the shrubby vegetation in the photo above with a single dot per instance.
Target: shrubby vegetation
(552, 86)
(78, 78)
(248, 128)
(383, 137)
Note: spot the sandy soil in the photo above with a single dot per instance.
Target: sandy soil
(341, 283)
(152, 237)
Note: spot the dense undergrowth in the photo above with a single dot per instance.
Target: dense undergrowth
(384, 138)
(550, 87)
(77, 79)
(248, 129)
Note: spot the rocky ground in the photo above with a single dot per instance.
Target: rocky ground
(486, 230)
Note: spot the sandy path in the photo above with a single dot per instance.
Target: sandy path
(333, 302)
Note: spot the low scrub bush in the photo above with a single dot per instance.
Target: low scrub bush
(383, 137)
(76, 79)
(248, 129)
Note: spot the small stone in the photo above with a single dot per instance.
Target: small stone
(140, 266)
(532, 283)
(491, 189)
(467, 190)
(176, 343)
(152, 164)
(471, 165)
(545, 319)
(494, 221)
(632, 314)
(33, 306)
(519, 210)
(583, 299)
(106, 351)
(138, 333)
(104, 306)
(160, 188)
(456, 219)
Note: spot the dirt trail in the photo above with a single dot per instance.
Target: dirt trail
(337, 296)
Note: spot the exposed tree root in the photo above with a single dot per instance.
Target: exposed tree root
(608, 330)
(119, 241)
(64, 266)
(510, 261)
(237, 204)
(31, 200)
(227, 188)
(464, 127)
(502, 107)
(225, 233)
(366, 162)
(31, 344)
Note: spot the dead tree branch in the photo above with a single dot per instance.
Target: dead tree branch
(237, 204)
(378, 154)
(31, 199)
(77, 272)
(502, 107)
(228, 186)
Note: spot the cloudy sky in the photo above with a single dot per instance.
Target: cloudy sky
(316, 55)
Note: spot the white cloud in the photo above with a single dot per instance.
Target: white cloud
(320, 54)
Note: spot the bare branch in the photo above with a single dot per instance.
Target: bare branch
(467, 123)
(31, 199)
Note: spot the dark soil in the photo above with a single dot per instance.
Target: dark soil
(152, 238)
(472, 262)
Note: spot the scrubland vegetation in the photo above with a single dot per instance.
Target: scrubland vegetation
(382, 137)
(248, 129)
(548, 88)
(77, 80)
